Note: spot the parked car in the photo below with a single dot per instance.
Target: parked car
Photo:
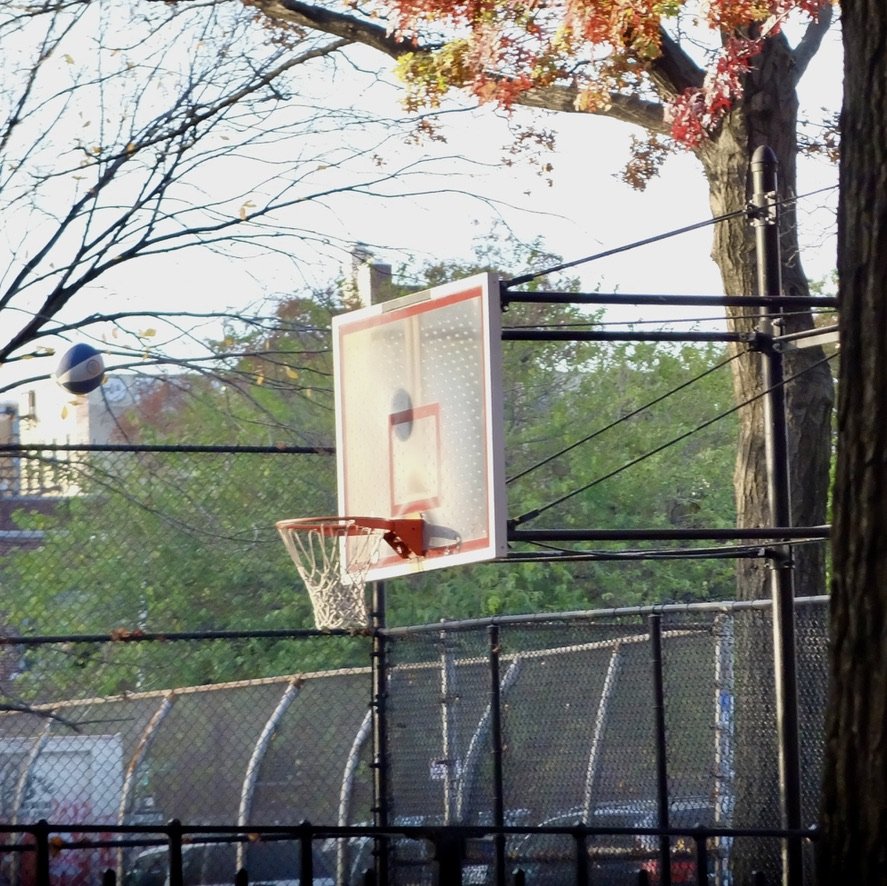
(615, 859)
(412, 857)
(271, 863)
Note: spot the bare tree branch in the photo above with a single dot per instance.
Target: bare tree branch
(319, 18)
(81, 196)
(812, 40)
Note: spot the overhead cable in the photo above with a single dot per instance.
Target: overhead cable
(623, 418)
(531, 515)
(736, 213)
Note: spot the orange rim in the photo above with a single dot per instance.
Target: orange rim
(404, 535)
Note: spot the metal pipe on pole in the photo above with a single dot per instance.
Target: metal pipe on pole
(661, 743)
(519, 334)
(765, 215)
(497, 755)
(380, 729)
(608, 299)
(366, 280)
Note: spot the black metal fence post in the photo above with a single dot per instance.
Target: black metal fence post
(766, 221)
(497, 748)
(380, 730)
(701, 858)
(580, 851)
(661, 747)
(449, 850)
(306, 853)
(41, 840)
(174, 835)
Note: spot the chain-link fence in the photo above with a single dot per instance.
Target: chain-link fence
(584, 690)
(158, 662)
(525, 722)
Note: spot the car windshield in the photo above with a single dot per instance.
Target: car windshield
(208, 864)
(149, 869)
(274, 862)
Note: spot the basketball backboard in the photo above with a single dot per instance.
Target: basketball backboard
(419, 421)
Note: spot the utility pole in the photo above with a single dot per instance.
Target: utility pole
(765, 205)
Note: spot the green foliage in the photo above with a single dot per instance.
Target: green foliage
(178, 542)
(175, 542)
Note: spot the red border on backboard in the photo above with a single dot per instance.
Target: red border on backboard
(417, 414)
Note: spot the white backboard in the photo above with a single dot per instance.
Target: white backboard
(419, 420)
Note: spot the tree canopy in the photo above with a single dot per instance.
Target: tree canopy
(502, 51)
(674, 68)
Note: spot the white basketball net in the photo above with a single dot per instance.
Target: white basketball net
(336, 592)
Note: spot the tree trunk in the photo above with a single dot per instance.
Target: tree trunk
(853, 848)
(768, 115)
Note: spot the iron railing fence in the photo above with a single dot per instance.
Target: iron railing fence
(179, 855)
(532, 722)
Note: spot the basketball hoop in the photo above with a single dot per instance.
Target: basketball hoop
(333, 555)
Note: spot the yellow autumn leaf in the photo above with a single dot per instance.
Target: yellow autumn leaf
(260, 379)
(64, 412)
(68, 59)
(150, 332)
(245, 208)
(292, 373)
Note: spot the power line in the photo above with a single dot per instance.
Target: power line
(746, 211)
(531, 515)
(25, 448)
(527, 278)
(623, 418)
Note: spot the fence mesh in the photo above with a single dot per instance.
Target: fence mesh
(576, 736)
(154, 665)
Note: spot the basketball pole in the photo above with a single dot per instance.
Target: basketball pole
(380, 729)
(765, 208)
(366, 281)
